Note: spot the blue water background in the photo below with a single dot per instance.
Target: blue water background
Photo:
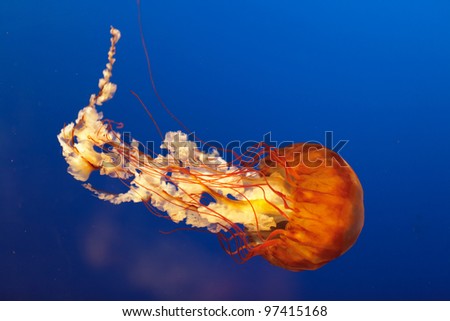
(376, 73)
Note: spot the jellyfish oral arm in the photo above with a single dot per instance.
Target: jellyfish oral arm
(173, 183)
(76, 139)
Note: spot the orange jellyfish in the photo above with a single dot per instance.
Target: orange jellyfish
(300, 208)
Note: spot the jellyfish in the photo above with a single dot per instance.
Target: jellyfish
(299, 207)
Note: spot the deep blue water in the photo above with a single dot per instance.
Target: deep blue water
(375, 73)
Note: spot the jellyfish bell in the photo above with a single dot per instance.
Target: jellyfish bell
(300, 208)
(325, 202)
